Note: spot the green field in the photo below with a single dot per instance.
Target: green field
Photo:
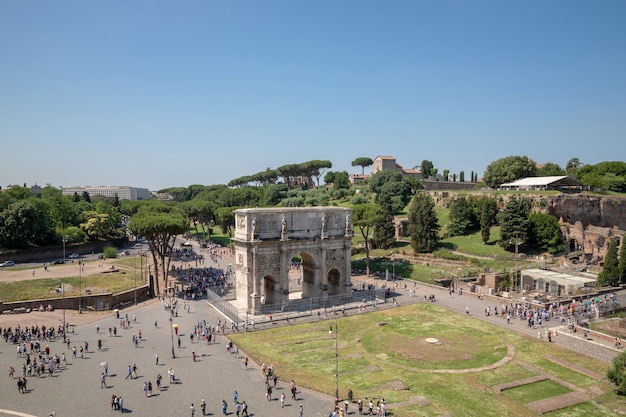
(384, 355)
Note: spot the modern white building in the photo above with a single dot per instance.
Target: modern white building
(123, 192)
(560, 183)
(554, 283)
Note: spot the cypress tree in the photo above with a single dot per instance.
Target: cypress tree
(610, 272)
(622, 260)
(423, 223)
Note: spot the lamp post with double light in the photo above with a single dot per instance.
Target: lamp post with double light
(516, 241)
(63, 305)
(336, 359)
(80, 284)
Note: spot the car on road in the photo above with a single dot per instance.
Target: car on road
(7, 263)
(73, 256)
(58, 262)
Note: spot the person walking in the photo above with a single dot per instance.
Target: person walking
(203, 407)
(244, 409)
(300, 411)
(192, 409)
(103, 382)
(157, 359)
(224, 406)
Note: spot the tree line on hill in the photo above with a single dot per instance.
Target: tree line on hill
(49, 219)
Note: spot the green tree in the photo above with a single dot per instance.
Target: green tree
(225, 218)
(315, 169)
(610, 273)
(339, 179)
(550, 169)
(18, 193)
(617, 373)
(274, 194)
(545, 232)
(394, 187)
(25, 223)
(384, 229)
(61, 208)
(363, 162)
(514, 223)
(446, 173)
(423, 223)
(488, 212)
(622, 261)
(572, 166)
(159, 224)
(462, 217)
(426, 168)
(462, 176)
(96, 225)
(109, 252)
(608, 175)
(509, 169)
(206, 214)
(365, 217)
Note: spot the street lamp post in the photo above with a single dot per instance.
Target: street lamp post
(64, 240)
(80, 284)
(336, 359)
(517, 241)
(172, 330)
(135, 276)
(63, 303)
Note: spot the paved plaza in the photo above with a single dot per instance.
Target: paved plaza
(75, 389)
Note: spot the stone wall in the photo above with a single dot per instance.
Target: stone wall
(51, 253)
(603, 211)
(95, 301)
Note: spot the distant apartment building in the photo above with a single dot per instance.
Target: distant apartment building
(385, 163)
(123, 192)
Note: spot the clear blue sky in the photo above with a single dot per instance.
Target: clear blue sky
(159, 93)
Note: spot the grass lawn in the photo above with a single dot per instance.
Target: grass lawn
(382, 352)
(35, 289)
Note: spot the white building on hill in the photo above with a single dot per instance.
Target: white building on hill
(123, 192)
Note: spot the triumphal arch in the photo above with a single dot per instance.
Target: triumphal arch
(266, 240)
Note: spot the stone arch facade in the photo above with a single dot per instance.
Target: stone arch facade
(267, 239)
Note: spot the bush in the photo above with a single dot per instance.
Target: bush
(359, 199)
(109, 252)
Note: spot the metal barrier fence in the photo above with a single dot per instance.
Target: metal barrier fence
(226, 308)
(310, 304)
(304, 306)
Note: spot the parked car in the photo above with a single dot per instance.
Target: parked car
(7, 263)
(73, 256)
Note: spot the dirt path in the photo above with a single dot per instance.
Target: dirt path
(70, 269)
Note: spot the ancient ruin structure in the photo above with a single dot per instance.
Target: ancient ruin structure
(267, 239)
